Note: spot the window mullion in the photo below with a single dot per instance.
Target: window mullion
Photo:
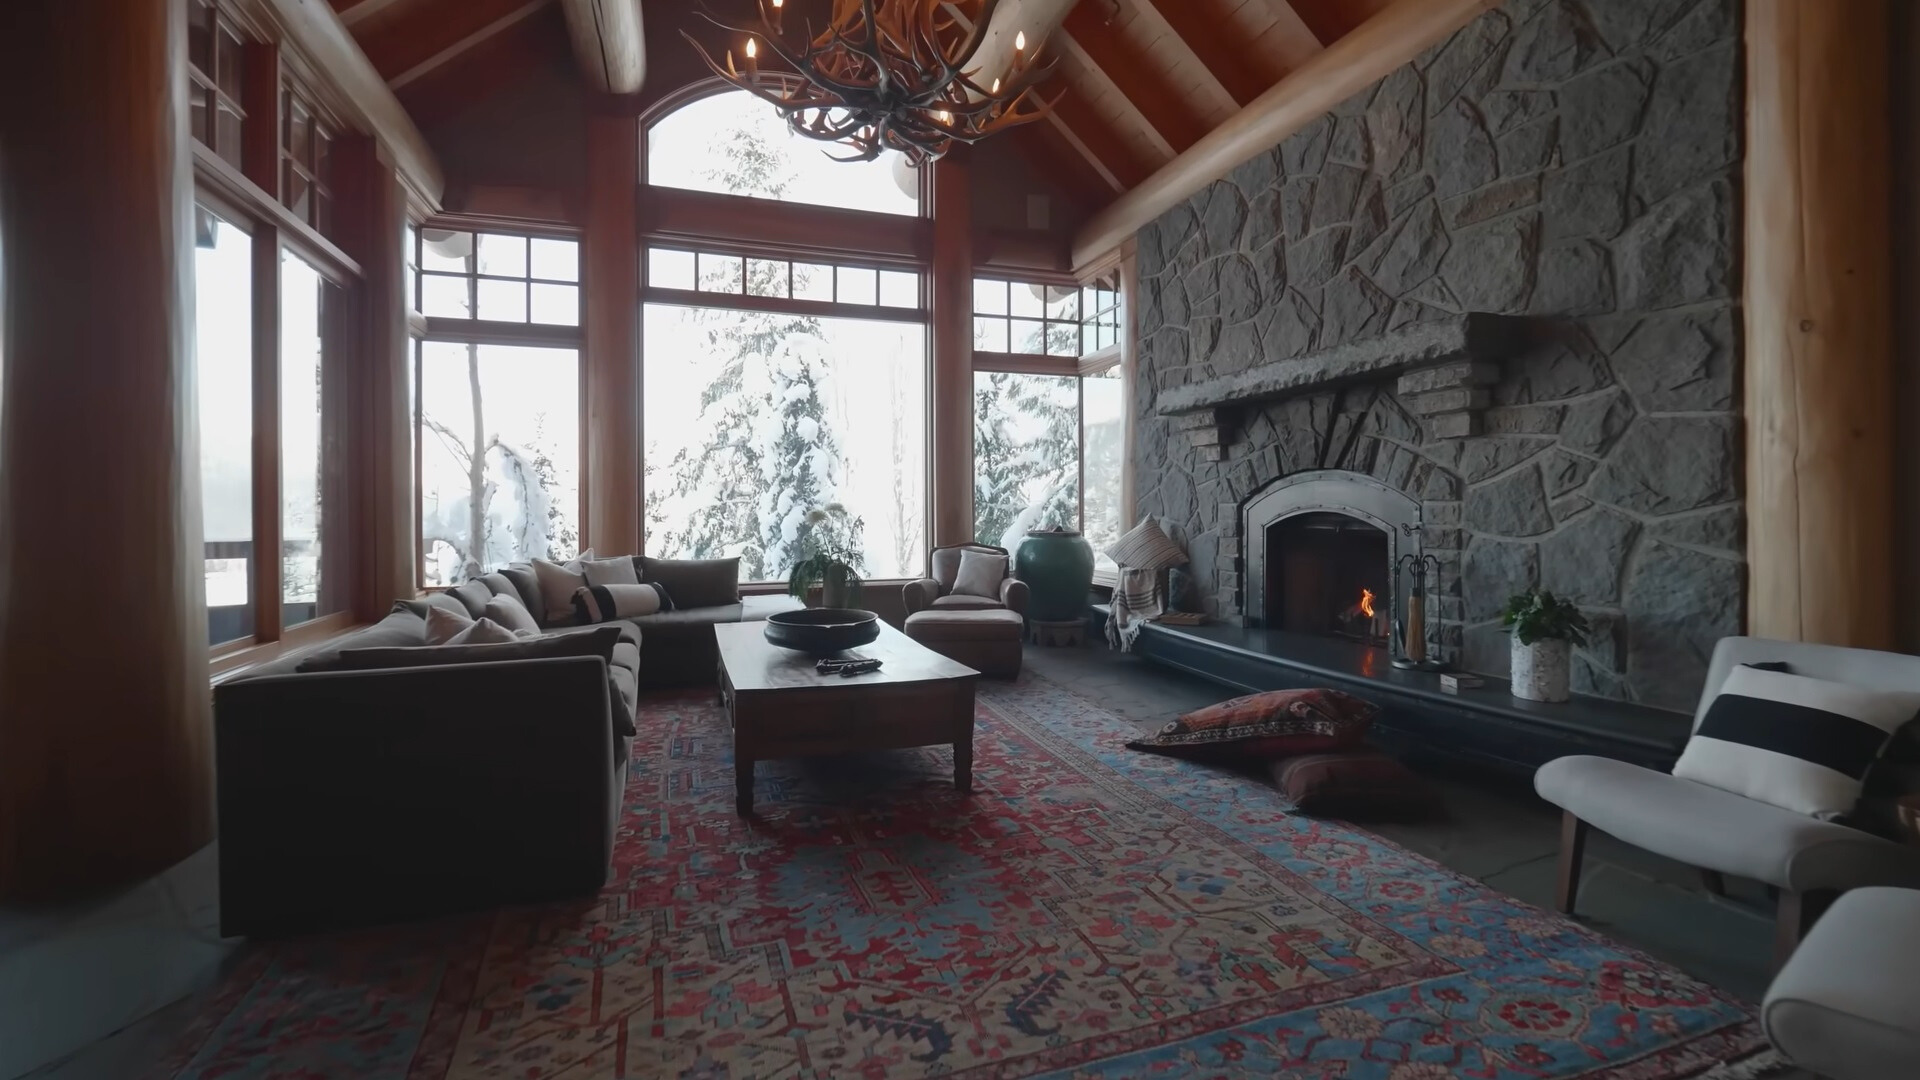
(267, 525)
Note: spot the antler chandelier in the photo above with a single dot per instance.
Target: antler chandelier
(886, 75)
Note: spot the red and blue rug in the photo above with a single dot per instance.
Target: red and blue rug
(1089, 912)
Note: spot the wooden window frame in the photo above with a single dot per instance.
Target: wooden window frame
(321, 128)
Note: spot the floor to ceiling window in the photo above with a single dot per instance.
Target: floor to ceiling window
(223, 338)
(780, 382)
(497, 397)
(1048, 411)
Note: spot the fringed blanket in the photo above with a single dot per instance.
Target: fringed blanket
(1136, 600)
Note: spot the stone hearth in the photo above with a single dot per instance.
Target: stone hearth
(1575, 163)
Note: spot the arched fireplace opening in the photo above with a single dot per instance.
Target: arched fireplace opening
(1328, 574)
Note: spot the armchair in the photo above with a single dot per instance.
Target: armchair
(1807, 860)
(935, 591)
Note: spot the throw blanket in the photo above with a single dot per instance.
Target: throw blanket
(1136, 600)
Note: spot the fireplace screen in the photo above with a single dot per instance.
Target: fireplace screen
(1327, 574)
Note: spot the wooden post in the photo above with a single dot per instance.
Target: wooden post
(952, 383)
(1129, 371)
(1819, 359)
(610, 256)
(105, 763)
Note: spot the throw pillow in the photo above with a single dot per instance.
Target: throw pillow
(1792, 741)
(1359, 785)
(483, 632)
(444, 625)
(526, 585)
(981, 573)
(473, 595)
(604, 603)
(508, 611)
(557, 584)
(695, 583)
(1276, 724)
(598, 642)
(610, 572)
(419, 607)
(1146, 547)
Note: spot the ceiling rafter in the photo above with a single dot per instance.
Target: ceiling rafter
(501, 60)
(354, 12)
(1328, 20)
(1108, 55)
(1201, 33)
(410, 40)
(1096, 141)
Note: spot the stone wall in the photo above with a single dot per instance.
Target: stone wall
(1575, 161)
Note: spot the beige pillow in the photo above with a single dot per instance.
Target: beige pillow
(981, 573)
(557, 586)
(1146, 547)
(443, 625)
(610, 572)
(512, 614)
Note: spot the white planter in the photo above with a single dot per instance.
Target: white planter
(1541, 670)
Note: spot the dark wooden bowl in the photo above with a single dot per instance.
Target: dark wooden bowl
(822, 631)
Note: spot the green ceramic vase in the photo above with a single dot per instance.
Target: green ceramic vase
(1057, 565)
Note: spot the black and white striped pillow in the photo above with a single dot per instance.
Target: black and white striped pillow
(1792, 741)
(604, 603)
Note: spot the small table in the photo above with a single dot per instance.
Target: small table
(780, 707)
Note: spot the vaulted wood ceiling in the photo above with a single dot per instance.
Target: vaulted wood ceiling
(1139, 80)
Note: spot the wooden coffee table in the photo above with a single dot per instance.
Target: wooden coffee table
(779, 707)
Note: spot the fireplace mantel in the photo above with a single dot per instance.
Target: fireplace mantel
(1443, 367)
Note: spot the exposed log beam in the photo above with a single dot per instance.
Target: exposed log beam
(419, 39)
(355, 12)
(322, 39)
(1108, 55)
(1036, 18)
(1203, 36)
(1819, 366)
(609, 42)
(1351, 64)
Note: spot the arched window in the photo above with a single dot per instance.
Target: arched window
(735, 144)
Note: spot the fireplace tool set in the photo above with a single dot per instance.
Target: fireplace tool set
(1411, 647)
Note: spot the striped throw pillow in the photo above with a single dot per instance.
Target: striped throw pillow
(1791, 741)
(1146, 547)
(604, 603)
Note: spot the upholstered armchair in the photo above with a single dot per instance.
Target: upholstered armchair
(935, 591)
(1807, 860)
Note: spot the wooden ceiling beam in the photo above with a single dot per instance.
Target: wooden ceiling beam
(1061, 162)
(1038, 19)
(1371, 52)
(609, 42)
(409, 41)
(1095, 141)
(355, 12)
(1107, 55)
(1329, 20)
(1201, 33)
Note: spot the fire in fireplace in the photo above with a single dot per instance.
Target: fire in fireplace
(1328, 574)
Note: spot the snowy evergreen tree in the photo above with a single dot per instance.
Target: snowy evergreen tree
(769, 455)
(1026, 456)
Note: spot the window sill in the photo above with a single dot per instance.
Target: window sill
(230, 662)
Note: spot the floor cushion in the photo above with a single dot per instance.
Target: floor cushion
(1274, 724)
(1354, 785)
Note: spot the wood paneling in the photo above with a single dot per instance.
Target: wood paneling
(610, 252)
(951, 387)
(1818, 312)
(1350, 65)
(1095, 140)
(416, 40)
(1106, 54)
(105, 736)
(502, 62)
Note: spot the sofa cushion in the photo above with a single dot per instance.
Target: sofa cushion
(443, 625)
(980, 574)
(557, 584)
(473, 595)
(1357, 785)
(420, 606)
(695, 583)
(945, 562)
(525, 584)
(945, 624)
(544, 647)
(619, 571)
(681, 624)
(507, 610)
(964, 602)
(604, 603)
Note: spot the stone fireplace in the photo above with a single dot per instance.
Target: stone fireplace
(1495, 289)
(1321, 551)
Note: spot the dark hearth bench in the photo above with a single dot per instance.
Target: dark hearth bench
(1486, 725)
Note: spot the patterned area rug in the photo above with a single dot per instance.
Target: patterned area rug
(1090, 912)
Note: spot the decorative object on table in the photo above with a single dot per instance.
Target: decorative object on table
(1454, 682)
(1141, 555)
(1411, 647)
(1274, 724)
(1354, 785)
(1545, 628)
(888, 75)
(1057, 565)
(829, 559)
(822, 631)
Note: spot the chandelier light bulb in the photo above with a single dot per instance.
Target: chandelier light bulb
(753, 48)
(943, 116)
(777, 3)
(1019, 40)
(996, 87)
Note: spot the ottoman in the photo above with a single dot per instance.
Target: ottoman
(1847, 1005)
(987, 641)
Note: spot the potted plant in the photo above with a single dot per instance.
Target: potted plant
(1545, 628)
(828, 558)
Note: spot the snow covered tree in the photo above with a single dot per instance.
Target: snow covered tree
(768, 455)
(1026, 455)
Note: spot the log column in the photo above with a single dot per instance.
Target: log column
(105, 766)
(951, 387)
(1819, 358)
(610, 253)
